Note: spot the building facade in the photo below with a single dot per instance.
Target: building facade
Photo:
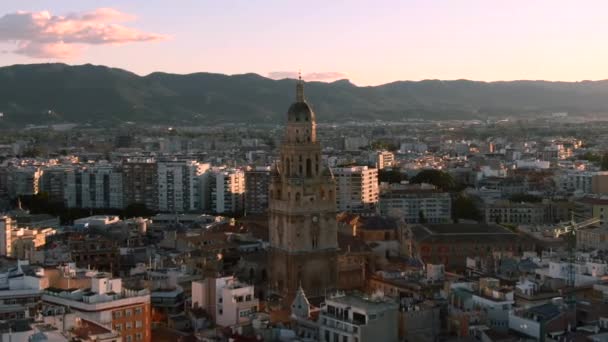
(257, 183)
(356, 188)
(178, 185)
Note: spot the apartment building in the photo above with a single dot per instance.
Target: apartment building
(356, 188)
(227, 300)
(179, 188)
(415, 204)
(124, 310)
(257, 181)
(354, 318)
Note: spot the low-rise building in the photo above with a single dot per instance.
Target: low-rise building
(352, 318)
(228, 301)
(107, 302)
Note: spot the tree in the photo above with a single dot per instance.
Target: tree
(463, 207)
(438, 178)
(391, 176)
(525, 198)
(604, 162)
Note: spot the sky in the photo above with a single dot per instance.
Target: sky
(368, 42)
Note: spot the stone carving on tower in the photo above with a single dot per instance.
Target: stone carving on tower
(302, 211)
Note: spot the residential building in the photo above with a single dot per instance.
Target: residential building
(228, 301)
(140, 182)
(20, 290)
(124, 310)
(257, 183)
(356, 188)
(179, 187)
(417, 204)
(6, 226)
(23, 181)
(226, 190)
(354, 318)
(382, 159)
(94, 186)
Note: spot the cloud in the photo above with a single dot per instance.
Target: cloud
(313, 76)
(43, 35)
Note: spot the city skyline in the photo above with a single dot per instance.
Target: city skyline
(370, 45)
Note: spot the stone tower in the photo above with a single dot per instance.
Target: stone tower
(302, 211)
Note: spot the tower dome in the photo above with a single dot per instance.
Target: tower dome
(300, 111)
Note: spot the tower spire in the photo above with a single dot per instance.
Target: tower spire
(300, 88)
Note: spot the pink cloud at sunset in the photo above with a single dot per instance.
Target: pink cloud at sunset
(313, 76)
(43, 35)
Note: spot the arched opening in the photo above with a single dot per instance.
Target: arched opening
(322, 194)
(308, 167)
(287, 166)
(297, 196)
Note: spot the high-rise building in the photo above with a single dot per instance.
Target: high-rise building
(23, 181)
(302, 213)
(95, 186)
(53, 182)
(356, 188)
(257, 182)
(224, 190)
(178, 185)
(140, 182)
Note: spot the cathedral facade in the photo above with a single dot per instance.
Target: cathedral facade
(302, 211)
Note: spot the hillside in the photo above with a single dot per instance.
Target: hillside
(54, 93)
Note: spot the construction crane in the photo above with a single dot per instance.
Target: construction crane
(569, 231)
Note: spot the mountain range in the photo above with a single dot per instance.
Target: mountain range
(60, 93)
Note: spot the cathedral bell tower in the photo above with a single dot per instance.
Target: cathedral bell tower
(302, 211)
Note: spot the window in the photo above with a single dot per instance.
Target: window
(128, 325)
(117, 314)
(129, 338)
(118, 327)
(138, 311)
(138, 337)
(128, 313)
(138, 324)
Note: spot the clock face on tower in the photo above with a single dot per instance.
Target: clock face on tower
(315, 218)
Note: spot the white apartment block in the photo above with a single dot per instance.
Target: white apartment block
(230, 302)
(179, 188)
(580, 181)
(356, 188)
(414, 205)
(95, 186)
(107, 302)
